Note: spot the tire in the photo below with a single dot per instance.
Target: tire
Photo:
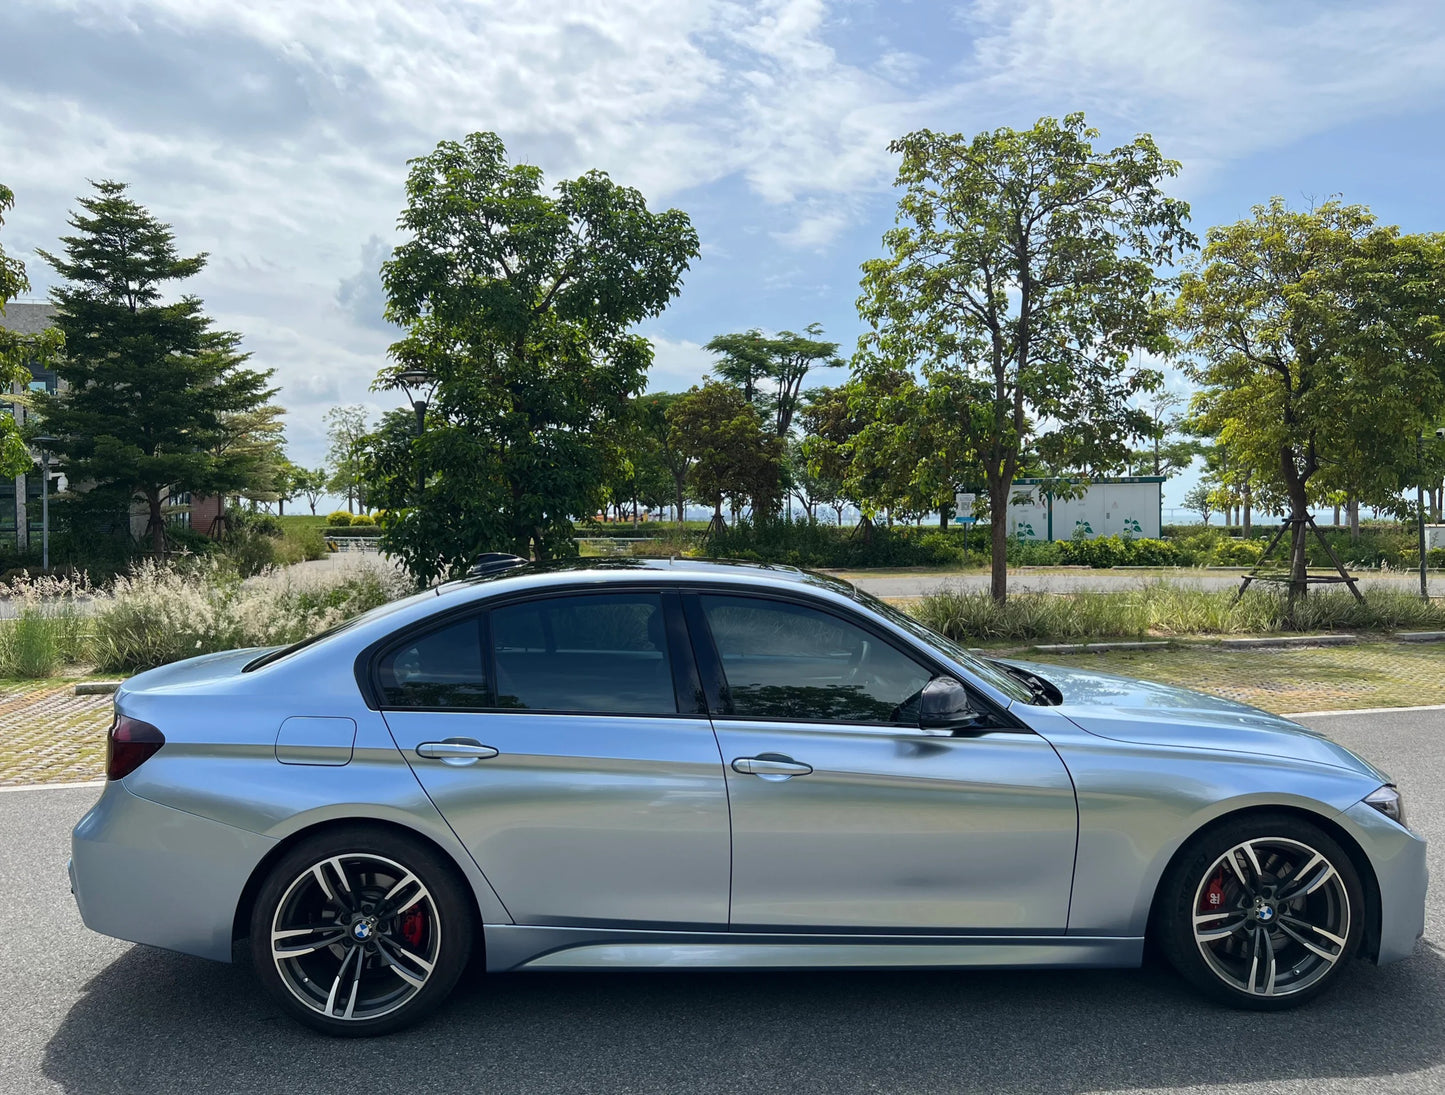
(360, 931)
(1261, 912)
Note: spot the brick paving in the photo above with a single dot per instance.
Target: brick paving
(50, 735)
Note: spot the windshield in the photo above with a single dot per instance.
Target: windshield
(995, 676)
(271, 657)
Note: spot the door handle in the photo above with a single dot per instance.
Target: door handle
(455, 751)
(772, 766)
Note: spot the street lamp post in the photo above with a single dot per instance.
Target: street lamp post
(425, 385)
(44, 444)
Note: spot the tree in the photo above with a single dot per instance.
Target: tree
(1317, 339)
(151, 386)
(521, 304)
(653, 411)
(1200, 499)
(16, 352)
(309, 483)
(255, 440)
(731, 451)
(770, 371)
(346, 430)
(1022, 268)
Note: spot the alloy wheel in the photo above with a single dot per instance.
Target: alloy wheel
(355, 936)
(1272, 916)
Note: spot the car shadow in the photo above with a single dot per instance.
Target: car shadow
(159, 1022)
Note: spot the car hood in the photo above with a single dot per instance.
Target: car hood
(1145, 713)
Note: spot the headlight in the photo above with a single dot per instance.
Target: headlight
(1388, 801)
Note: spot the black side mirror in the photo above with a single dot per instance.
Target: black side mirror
(943, 707)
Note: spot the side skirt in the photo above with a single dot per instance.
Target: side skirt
(514, 947)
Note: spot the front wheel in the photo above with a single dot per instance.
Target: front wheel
(1262, 912)
(359, 932)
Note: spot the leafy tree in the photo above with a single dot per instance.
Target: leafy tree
(770, 371)
(255, 440)
(1319, 344)
(16, 352)
(346, 431)
(521, 304)
(1022, 268)
(732, 451)
(653, 411)
(309, 483)
(1200, 499)
(152, 387)
(831, 424)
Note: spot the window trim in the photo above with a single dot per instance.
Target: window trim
(368, 662)
(714, 674)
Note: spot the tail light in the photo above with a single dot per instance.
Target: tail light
(130, 744)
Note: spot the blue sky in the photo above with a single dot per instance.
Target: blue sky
(273, 134)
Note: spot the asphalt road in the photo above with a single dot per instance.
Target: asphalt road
(84, 1014)
(1054, 581)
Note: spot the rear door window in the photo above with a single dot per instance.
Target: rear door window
(603, 653)
(440, 668)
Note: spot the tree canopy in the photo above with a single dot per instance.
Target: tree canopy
(1023, 271)
(520, 303)
(16, 353)
(1317, 338)
(153, 391)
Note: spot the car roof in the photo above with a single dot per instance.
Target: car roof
(571, 572)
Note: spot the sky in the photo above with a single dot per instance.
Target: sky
(273, 134)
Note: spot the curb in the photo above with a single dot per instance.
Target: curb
(96, 688)
(1420, 636)
(1099, 648)
(1290, 640)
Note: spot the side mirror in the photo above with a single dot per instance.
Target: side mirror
(943, 707)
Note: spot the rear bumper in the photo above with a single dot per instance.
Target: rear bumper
(151, 874)
(1398, 857)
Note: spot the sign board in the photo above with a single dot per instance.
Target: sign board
(963, 503)
(1124, 507)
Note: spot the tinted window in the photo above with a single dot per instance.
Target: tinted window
(589, 654)
(785, 661)
(441, 668)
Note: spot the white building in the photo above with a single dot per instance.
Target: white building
(1131, 506)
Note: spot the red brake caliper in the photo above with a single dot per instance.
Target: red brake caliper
(413, 927)
(1213, 893)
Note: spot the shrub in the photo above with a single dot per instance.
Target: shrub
(364, 519)
(338, 518)
(49, 629)
(157, 614)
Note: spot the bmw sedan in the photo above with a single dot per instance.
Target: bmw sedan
(653, 764)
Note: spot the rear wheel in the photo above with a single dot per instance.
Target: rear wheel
(360, 932)
(1262, 912)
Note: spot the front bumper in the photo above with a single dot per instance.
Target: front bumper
(151, 874)
(1398, 857)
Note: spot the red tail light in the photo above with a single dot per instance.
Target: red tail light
(131, 743)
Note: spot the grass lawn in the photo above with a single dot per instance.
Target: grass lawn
(1294, 679)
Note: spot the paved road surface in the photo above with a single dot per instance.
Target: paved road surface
(84, 1014)
(1092, 580)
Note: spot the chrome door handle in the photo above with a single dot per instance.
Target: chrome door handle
(771, 766)
(455, 751)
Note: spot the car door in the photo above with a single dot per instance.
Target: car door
(847, 816)
(549, 734)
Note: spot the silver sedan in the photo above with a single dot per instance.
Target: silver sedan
(676, 765)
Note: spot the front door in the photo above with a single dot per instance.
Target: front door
(548, 734)
(846, 816)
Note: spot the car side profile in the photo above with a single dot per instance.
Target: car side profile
(672, 764)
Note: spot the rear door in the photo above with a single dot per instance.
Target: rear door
(549, 733)
(845, 815)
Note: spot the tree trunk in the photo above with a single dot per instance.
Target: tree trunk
(1245, 507)
(998, 491)
(1337, 515)
(1354, 512)
(156, 525)
(1299, 511)
(942, 518)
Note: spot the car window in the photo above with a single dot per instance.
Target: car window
(788, 661)
(441, 668)
(586, 654)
